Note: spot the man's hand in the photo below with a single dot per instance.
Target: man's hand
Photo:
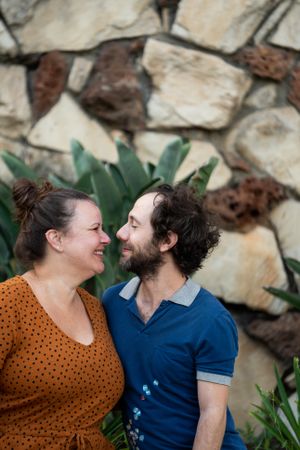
(211, 426)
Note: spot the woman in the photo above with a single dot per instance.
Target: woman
(60, 374)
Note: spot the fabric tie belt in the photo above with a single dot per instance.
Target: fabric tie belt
(78, 442)
(82, 439)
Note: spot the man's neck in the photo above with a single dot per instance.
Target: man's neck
(152, 291)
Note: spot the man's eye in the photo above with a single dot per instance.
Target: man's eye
(133, 226)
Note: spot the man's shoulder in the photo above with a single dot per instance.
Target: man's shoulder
(208, 303)
(113, 292)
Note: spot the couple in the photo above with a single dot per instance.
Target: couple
(60, 373)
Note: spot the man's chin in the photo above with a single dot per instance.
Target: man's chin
(125, 264)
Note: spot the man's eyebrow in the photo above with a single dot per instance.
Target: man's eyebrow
(133, 218)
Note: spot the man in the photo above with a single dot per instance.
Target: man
(176, 341)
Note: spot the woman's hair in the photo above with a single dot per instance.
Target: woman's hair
(39, 208)
(180, 210)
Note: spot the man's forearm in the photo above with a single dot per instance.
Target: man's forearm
(210, 430)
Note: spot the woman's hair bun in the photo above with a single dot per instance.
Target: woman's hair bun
(27, 194)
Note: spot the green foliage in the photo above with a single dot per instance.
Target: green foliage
(281, 425)
(113, 429)
(114, 187)
(290, 297)
(8, 234)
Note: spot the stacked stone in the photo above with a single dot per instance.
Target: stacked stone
(225, 74)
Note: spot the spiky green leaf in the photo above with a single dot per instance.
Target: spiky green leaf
(285, 404)
(84, 184)
(108, 196)
(8, 227)
(293, 264)
(5, 253)
(290, 297)
(116, 174)
(6, 195)
(84, 161)
(59, 182)
(131, 169)
(17, 167)
(200, 179)
(297, 379)
(171, 159)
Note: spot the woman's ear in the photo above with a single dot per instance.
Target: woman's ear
(54, 239)
(169, 242)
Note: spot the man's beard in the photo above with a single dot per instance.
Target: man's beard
(144, 263)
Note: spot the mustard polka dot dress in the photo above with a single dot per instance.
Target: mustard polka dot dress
(54, 391)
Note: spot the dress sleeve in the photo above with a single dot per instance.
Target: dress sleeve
(217, 352)
(8, 322)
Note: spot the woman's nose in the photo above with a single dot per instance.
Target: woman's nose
(105, 239)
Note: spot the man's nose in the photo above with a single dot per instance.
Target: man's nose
(122, 233)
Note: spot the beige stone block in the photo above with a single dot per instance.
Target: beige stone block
(254, 365)
(191, 88)
(270, 139)
(219, 25)
(263, 97)
(285, 219)
(17, 12)
(15, 114)
(150, 146)
(272, 20)
(7, 43)
(74, 25)
(288, 32)
(66, 120)
(80, 71)
(44, 162)
(241, 265)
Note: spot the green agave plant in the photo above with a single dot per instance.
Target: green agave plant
(281, 424)
(290, 297)
(114, 187)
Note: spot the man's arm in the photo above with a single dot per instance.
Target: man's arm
(213, 399)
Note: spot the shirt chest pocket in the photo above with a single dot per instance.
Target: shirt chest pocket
(172, 367)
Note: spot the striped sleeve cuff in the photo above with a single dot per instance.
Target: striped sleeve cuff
(213, 378)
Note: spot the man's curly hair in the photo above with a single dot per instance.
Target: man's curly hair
(180, 210)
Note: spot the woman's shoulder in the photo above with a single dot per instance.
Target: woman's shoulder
(11, 286)
(89, 299)
(11, 296)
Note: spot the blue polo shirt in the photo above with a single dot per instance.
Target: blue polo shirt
(190, 337)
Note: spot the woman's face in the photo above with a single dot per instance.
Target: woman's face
(84, 242)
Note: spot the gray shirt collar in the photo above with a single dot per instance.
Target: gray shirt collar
(184, 296)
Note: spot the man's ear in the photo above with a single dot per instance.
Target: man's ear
(54, 239)
(169, 242)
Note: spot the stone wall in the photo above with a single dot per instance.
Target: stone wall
(225, 74)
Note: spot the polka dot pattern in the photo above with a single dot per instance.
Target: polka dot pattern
(54, 391)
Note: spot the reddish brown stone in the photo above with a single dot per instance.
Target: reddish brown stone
(114, 93)
(294, 91)
(238, 163)
(266, 62)
(48, 82)
(136, 46)
(245, 204)
(280, 335)
(167, 3)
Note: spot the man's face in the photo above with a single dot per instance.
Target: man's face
(140, 254)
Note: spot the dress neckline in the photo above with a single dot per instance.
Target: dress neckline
(49, 318)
